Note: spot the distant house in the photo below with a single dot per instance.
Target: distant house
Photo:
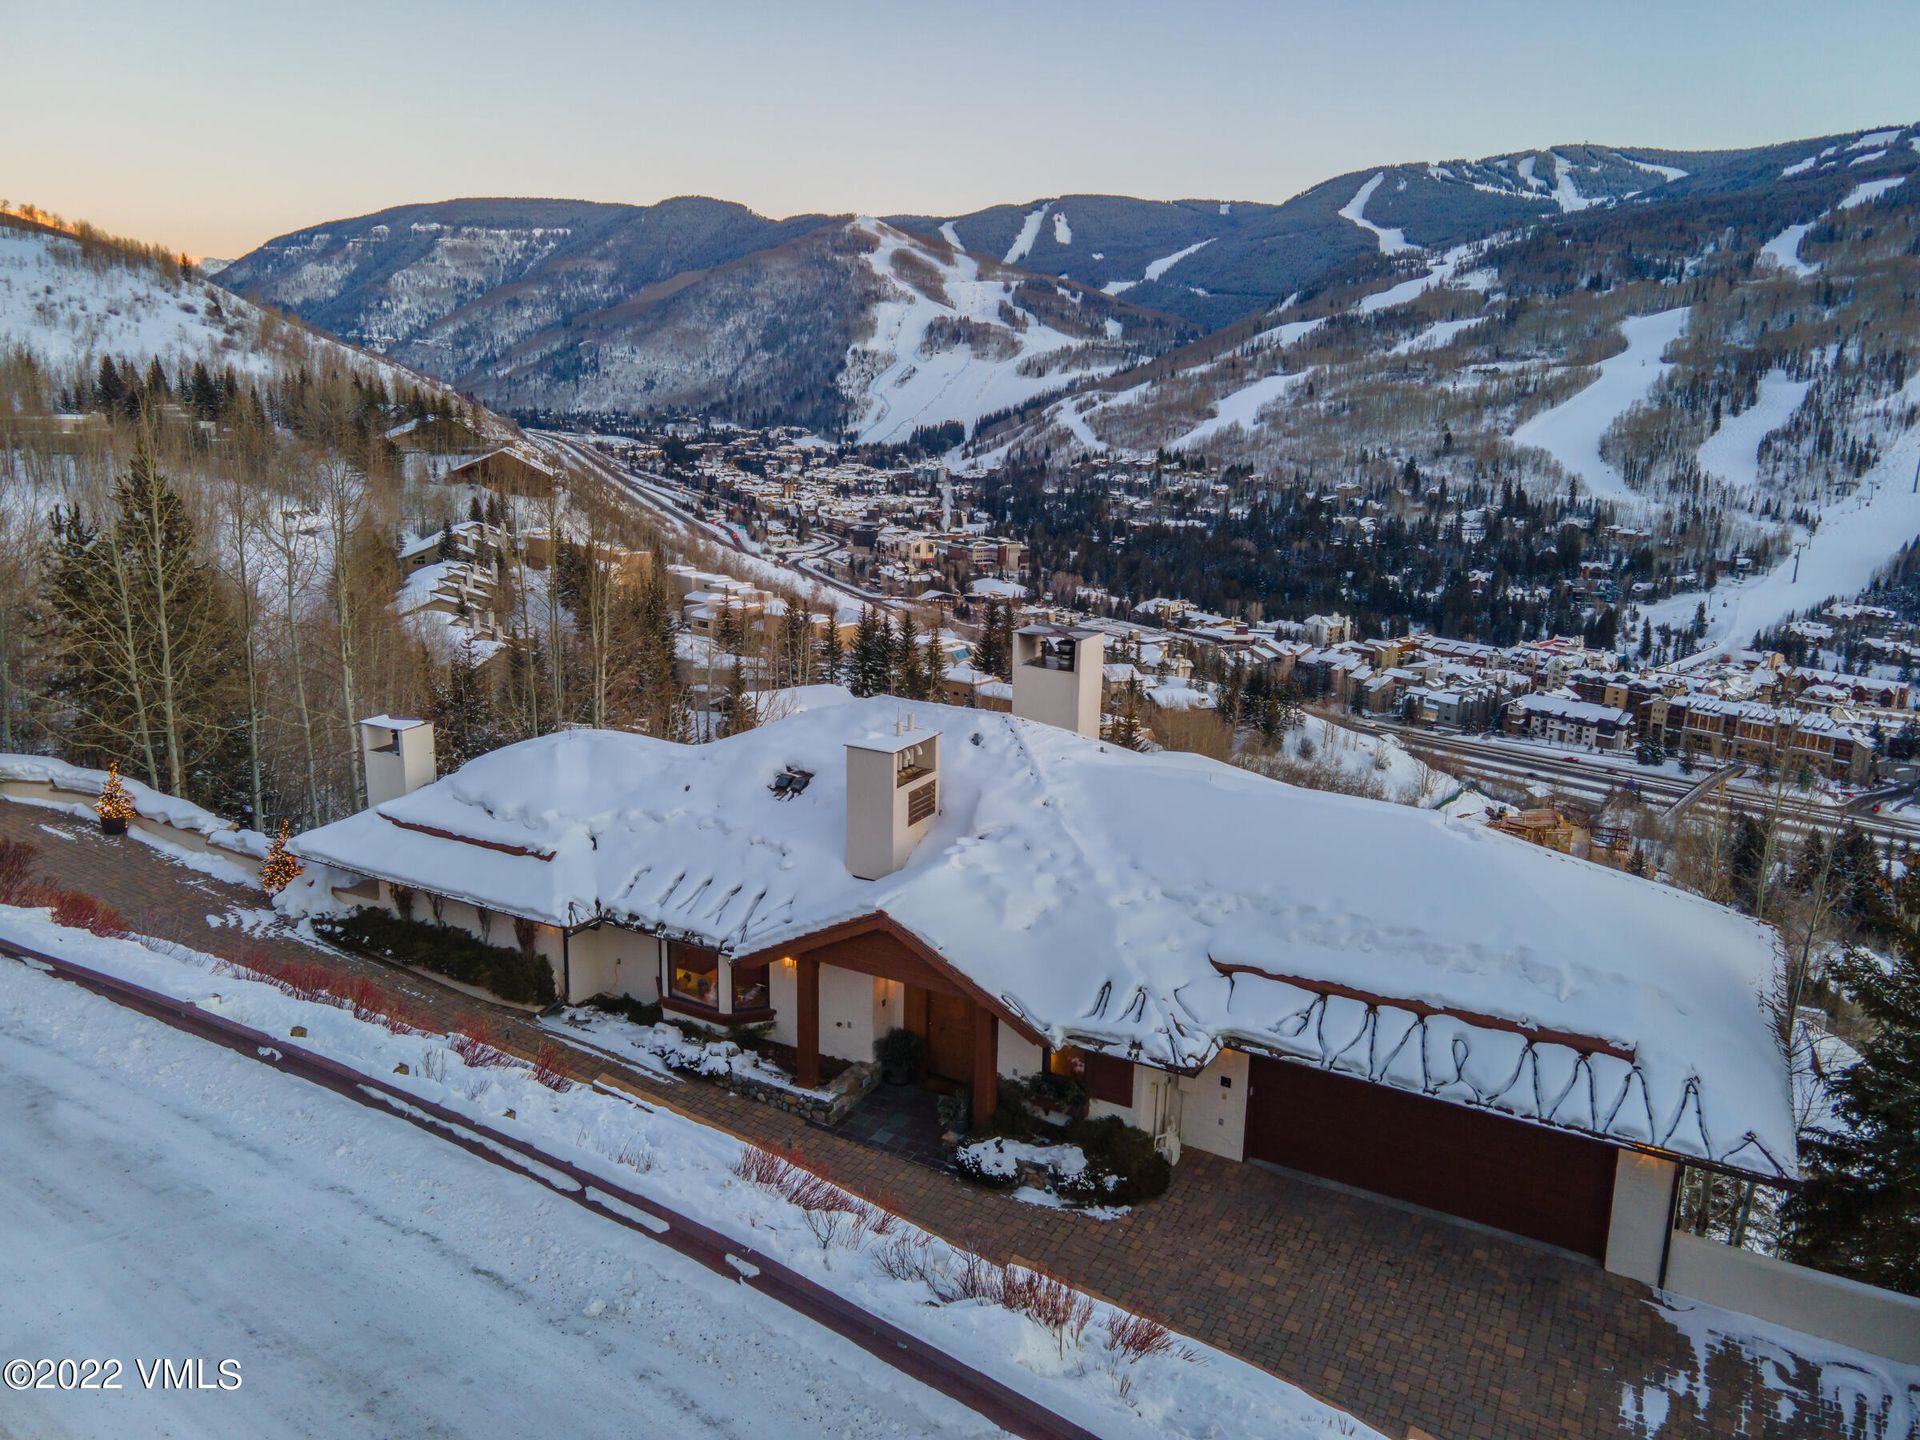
(507, 471)
(1215, 952)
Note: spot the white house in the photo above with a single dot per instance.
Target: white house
(1371, 993)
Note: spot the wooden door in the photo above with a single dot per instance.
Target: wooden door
(949, 1036)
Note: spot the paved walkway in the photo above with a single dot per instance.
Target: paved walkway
(1414, 1323)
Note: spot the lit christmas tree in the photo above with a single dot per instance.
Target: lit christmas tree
(279, 869)
(115, 805)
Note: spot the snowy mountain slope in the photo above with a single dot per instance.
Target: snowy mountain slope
(453, 286)
(560, 304)
(953, 339)
(857, 325)
(72, 305)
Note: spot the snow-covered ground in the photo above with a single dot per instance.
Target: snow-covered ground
(1437, 335)
(1570, 432)
(1391, 241)
(1856, 537)
(1156, 268)
(1784, 250)
(913, 384)
(167, 1198)
(68, 311)
(1732, 453)
(1241, 408)
(508, 1276)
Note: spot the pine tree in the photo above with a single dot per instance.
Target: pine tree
(870, 667)
(832, 653)
(910, 668)
(142, 635)
(466, 719)
(446, 549)
(1857, 1212)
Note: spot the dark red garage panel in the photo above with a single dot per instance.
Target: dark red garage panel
(1550, 1185)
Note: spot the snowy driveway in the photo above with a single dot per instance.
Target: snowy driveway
(164, 1198)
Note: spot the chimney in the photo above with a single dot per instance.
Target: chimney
(399, 756)
(893, 795)
(1057, 675)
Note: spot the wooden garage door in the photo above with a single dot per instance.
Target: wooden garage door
(1546, 1184)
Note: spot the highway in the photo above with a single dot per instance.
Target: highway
(666, 498)
(1519, 765)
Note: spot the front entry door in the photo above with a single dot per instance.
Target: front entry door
(947, 1029)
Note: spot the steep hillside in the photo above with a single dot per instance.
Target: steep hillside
(1704, 390)
(856, 325)
(1214, 261)
(452, 287)
(699, 304)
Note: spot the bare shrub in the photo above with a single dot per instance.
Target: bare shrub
(1053, 1305)
(477, 1047)
(905, 1257)
(547, 1067)
(16, 869)
(635, 1155)
(1136, 1337)
(762, 1167)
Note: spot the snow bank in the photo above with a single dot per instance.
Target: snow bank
(149, 803)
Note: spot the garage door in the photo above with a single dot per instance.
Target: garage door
(1545, 1184)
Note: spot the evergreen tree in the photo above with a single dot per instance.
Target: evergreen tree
(832, 653)
(1857, 1213)
(992, 655)
(446, 549)
(466, 719)
(911, 677)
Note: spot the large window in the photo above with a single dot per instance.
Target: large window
(749, 988)
(693, 975)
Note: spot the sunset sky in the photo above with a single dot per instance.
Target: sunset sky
(212, 126)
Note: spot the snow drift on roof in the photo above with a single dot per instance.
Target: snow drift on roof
(1161, 907)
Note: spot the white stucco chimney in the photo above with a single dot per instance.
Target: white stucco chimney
(893, 795)
(1057, 675)
(399, 756)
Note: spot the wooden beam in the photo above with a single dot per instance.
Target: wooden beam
(806, 1021)
(986, 1065)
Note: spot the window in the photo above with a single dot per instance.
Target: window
(693, 974)
(749, 987)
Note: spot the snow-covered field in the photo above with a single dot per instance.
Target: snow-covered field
(167, 1198)
(1570, 432)
(1241, 408)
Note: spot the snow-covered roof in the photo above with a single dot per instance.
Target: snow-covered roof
(1158, 906)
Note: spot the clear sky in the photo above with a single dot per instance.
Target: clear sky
(212, 125)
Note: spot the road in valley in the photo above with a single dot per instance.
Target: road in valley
(1519, 765)
(665, 497)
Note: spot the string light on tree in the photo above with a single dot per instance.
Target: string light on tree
(279, 869)
(115, 805)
